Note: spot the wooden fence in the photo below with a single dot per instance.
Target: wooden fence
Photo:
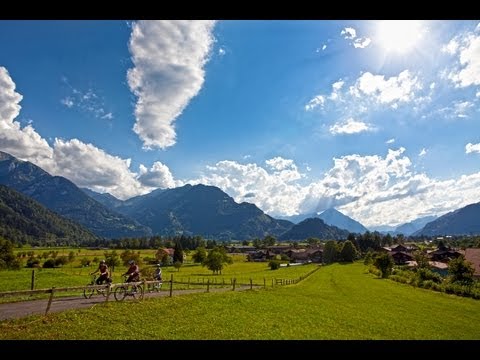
(110, 287)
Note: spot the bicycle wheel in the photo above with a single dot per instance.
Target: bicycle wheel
(120, 293)
(139, 293)
(87, 293)
(103, 291)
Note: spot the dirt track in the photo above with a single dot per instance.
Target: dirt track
(35, 307)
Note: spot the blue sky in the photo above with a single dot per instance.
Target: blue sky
(379, 119)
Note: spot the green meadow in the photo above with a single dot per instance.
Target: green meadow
(336, 302)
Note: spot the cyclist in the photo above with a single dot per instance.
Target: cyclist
(103, 269)
(158, 273)
(133, 272)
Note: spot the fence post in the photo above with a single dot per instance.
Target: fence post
(272, 282)
(251, 284)
(50, 300)
(171, 285)
(32, 287)
(108, 292)
(208, 285)
(264, 283)
(233, 282)
(188, 285)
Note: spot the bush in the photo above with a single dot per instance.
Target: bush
(274, 264)
(33, 262)
(49, 264)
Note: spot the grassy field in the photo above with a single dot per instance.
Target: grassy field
(75, 275)
(337, 302)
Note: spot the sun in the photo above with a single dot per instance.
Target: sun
(400, 36)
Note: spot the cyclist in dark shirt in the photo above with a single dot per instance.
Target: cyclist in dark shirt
(103, 269)
(133, 272)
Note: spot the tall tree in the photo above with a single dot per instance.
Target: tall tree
(348, 252)
(330, 253)
(384, 263)
(178, 253)
(7, 258)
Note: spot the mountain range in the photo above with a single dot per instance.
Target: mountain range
(196, 210)
(66, 199)
(25, 220)
(463, 221)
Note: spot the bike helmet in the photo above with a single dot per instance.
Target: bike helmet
(102, 261)
(158, 265)
(131, 262)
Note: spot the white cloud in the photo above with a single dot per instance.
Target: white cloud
(390, 141)
(88, 102)
(358, 42)
(461, 108)
(467, 70)
(159, 176)
(350, 126)
(273, 191)
(432, 86)
(472, 148)
(477, 94)
(221, 51)
(108, 116)
(399, 88)
(349, 33)
(68, 102)
(451, 48)
(24, 143)
(372, 189)
(422, 152)
(324, 47)
(318, 100)
(169, 58)
(361, 43)
(338, 85)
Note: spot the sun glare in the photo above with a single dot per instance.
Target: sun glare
(400, 36)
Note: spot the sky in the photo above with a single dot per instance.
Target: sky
(379, 119)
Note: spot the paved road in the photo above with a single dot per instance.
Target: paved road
(35, 307)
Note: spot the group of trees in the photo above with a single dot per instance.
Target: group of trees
(215, 260)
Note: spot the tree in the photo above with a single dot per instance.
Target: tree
(384, 263)
(422, 260)
(178, 253)
(461, 271)
(200, 255)
(269, 240)
(7, 258)
(177, 265)
(162, 255)
(245, 242)
(349, 252)
(313, 241)
(216, 260)
(128, 255)
(257, 243)
(330, 253)
(112, 259)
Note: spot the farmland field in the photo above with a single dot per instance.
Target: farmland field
(336, 302)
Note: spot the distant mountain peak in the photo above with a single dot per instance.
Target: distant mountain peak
(334, 217)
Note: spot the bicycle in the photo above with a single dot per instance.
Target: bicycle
(122, 291)
(88, 292)
(157, 286)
